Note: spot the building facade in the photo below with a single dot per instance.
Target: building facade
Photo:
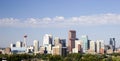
(112, 43)
(36, 46)
(85, 42)
(92, 46)
(19, 44)
(47, 39)
(71, 40)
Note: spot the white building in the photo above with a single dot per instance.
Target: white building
(92, 46)
(48, 48)
(19, 44)
(12, 45)
(47, 39)
(47, 43)
(56, 41)
(102, 47)
(102, 44)
(30, 49)
(77, 48)
(36, 46)
(98, 46)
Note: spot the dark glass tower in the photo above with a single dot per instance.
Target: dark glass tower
(112, 43)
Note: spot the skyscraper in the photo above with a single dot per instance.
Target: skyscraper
(47, 43)
(102, 49)
(36, 46)
(98, 46)
(60, 41)
(92, 46)
(85, 42)
(63, 42)
(112, 43)
(56, 41)
(19, 44)
(71, 40)
(47, 39)
(77, 48)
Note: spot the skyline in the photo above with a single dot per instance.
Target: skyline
(97, 19)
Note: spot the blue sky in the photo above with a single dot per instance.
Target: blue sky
(99, 19)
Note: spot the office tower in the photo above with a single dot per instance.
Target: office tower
(89, 44)
(12, 45)
(98, 46)
(60, 41)
(57, 50)
(71, 40)
(59, 47)
(102, 49)
(47, 43)
(112, 43)
(77, 48)
(25, 43)
(30, 49)
(36, 46)
(63, 42)
(85, 42)
(47, 39)
(48, 49)
(19, 44)
(92, 46)
(56, 41)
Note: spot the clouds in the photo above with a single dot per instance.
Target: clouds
(60, 21)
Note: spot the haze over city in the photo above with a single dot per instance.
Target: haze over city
(100, 20)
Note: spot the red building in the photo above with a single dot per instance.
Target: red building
(71, 40)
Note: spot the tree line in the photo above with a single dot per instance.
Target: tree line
(69, 57)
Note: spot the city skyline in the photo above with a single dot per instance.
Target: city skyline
(100, 20)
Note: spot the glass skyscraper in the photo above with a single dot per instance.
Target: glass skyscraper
(85, 43)
(112, 43)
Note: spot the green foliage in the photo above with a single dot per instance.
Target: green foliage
(55, 58)
(75, 56)
(69, 57)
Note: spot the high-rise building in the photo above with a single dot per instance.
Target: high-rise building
(63, 42)
(25, 43)
(57, 50)
(47, 43)
(85, 42)
(77, 48)
(102, 49)
(56, 41)
(60, 41)
(12, 45)
(47, 39)
(71, 40)
(30, 49)
(19, 44)
(92, 46)
(59, 47)
(112, 43)
(36, 46)
(98, 46)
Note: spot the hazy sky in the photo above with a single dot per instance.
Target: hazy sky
(99, 19)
